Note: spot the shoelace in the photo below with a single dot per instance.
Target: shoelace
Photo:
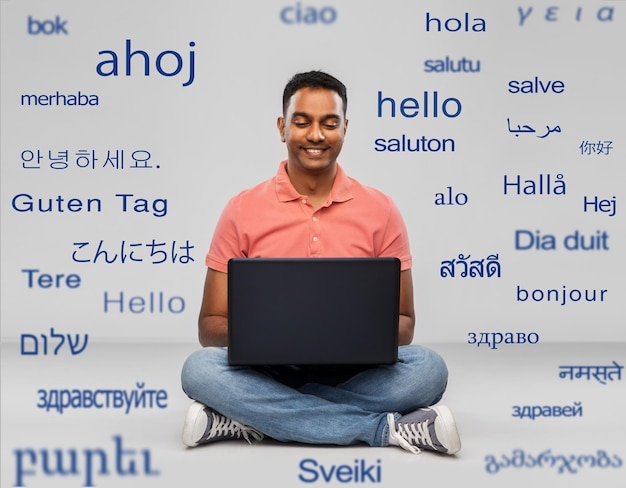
(222, 426)
(409, 436)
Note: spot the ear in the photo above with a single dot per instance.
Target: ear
(280, 123)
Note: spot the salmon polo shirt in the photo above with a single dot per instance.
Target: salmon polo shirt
(272, 220)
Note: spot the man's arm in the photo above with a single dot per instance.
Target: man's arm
(407, 312)
(213, 319)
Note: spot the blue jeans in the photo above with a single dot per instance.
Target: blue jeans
(339, 405)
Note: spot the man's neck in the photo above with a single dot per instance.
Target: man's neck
(316, 186)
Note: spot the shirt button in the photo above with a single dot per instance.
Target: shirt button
(314, 219)
(315, 239)
(304, 201)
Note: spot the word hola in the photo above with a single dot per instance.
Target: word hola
(34, 351)
(85, 462)
(110, 67)
(455, 25)
(429, 106)
(604, 14)
(597, 205)
(307, 15)
(536, 86)
(451, 198)
(525, 239)
(359, 472)
(153, 303)
(46, 27)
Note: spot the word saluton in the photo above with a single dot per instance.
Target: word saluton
(167, 63)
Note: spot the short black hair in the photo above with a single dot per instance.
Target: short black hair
(314, 79)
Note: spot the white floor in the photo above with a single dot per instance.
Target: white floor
(484, 387)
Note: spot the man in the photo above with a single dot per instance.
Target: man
(311, 208)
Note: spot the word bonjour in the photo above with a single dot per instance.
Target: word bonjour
(534, 411)
(571, 463)
(167, 63)
(26, 203)
(85, 462)
(34, 351)
(560, 296)
(359, 472)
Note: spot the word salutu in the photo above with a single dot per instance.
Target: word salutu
(601, 374)
(85, 463)
(33, 342)
(128, 203)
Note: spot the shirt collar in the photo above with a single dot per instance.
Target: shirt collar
(340, 192)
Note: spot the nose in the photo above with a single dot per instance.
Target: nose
(316, 134)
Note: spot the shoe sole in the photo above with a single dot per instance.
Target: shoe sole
(451, 439)
(194, 416)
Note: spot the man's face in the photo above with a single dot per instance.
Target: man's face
(313, 129)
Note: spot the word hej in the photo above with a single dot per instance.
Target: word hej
(129, 203)
(85, 462)
(576, 241)
(32, 338)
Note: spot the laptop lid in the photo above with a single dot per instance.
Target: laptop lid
(313, 311)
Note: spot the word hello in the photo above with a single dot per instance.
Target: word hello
(46, 27)
(453, 24)
(162, 62)
(155, 302)
(428, 106)
(82, 462)
(297, 14)
(525, 240)
(359, 472)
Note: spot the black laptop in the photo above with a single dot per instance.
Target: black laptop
(313, 311)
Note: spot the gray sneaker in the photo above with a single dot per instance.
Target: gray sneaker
(431, 428)
(203, 425)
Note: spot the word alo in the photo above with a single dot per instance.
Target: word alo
(82, 462)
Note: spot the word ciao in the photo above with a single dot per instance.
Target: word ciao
(47, 27)
(494, 339)
(534, 411)
(63, 399)
(297, 14)
(75, 347)
(359, 472)
(452, 24)
(576, 241)
(600, 373)
(554, 14)
(83, 462)
(571, 463)
(26, 203)
(167, 63)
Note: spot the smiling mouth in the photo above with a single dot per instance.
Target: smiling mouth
(314, 151)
